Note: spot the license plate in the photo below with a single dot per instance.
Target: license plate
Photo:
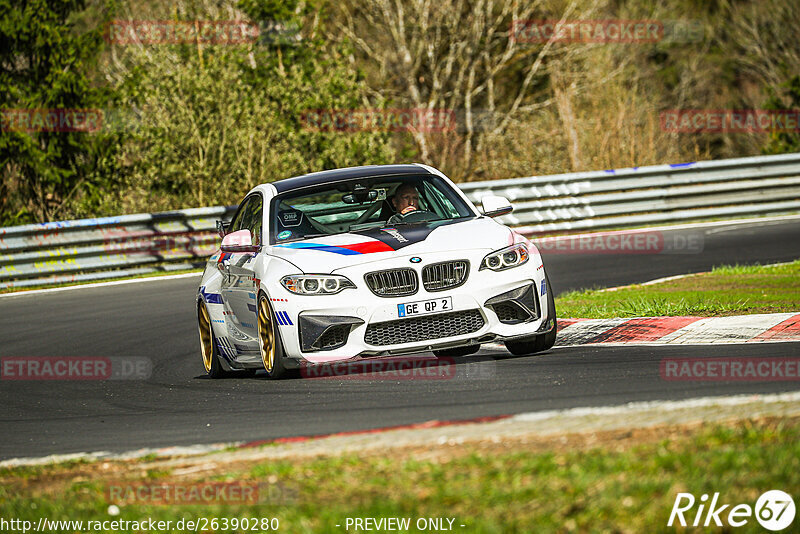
(422, 307)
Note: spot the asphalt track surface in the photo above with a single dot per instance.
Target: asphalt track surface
(177, 405)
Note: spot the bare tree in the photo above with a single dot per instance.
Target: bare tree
(764, 39)
(463, 56)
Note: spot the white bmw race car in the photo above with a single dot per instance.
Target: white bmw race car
(367, 262)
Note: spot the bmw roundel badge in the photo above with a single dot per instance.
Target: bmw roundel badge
(416, 259)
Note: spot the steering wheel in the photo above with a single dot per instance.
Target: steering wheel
(414, 216)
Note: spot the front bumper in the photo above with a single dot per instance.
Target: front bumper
(490, 306)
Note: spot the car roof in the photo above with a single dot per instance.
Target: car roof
(337, 175)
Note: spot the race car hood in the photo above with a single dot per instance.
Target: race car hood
(329, 253)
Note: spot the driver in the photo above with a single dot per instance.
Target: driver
(404, 201)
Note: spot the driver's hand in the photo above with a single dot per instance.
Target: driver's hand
(408, 209)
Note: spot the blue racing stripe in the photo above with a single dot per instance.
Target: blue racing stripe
(300, 245)
(337, 250)
(321, 248)
(210, 298)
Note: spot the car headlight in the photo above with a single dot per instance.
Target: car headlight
(506, 258)
(316, 284)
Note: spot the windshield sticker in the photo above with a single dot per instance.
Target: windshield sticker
(290, 218)
(395, 234)
(286, 234)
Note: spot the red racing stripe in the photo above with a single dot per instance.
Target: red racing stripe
(643, 329)
(368, 247)
(788, 330)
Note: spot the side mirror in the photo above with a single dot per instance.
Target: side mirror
(494, 206)
(239, 241)
(222, 227)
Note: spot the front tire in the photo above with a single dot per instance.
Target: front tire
(208, 344)
(269, 340)
(542, 342)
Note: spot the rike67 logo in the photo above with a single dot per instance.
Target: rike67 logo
(774, 510)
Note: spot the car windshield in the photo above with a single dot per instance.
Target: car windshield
(363, 203)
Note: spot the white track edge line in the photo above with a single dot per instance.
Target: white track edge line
(664, 406)
(188, 450)
(629, 408)
(101, 284)
(651, 282)
(679, 276)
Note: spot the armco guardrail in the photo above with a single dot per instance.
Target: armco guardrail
(90, 249)
(761, 185)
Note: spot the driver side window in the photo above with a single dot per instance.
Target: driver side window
(238, 220)
(255, 218)
(249, 217)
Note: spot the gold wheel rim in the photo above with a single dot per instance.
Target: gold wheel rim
(206, 348)
(266, 335)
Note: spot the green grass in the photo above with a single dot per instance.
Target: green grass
(726, 290)
(626, 484)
